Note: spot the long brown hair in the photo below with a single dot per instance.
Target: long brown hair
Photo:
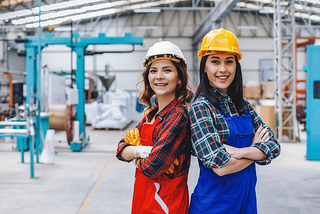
(183, 92)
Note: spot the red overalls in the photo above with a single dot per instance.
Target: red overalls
(158, 195)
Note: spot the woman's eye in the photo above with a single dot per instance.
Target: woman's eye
(230, 61)
(167, 70)
(152, 71)
(215, 61)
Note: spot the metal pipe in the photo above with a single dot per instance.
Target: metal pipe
(38, 103)
(12, 123)
(14, 131)
(89, 53)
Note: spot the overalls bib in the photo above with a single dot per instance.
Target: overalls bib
(230, 194)
(159, 195)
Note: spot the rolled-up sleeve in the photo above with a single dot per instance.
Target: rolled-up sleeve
(271, 147)
(205, 138)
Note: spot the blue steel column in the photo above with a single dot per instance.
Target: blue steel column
(31, 69)
(80, 85)
(38, 140)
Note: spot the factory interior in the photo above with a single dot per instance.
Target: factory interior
(70, 79)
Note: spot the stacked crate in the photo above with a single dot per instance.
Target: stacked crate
(261, 97)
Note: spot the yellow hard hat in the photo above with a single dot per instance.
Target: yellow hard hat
(219, 41)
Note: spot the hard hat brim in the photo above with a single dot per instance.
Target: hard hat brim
(202, 53)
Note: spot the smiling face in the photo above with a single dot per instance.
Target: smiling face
(221, 69)
(163, 79)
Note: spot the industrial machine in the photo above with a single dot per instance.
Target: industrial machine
(23, 128)
(313, 102)
(77, 44)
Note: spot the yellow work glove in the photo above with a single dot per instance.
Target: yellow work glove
(133, 137)
(170, 170)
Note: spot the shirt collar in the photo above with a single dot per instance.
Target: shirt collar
(164, 111)
(220, 95)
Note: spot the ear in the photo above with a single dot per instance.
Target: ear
(179, 82)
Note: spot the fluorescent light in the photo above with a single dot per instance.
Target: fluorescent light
(314, 18)
(67, 4)
(50, 7)
(266, 11)
(80, 13)
(247, 27)
(147, 10)
(53, 15)
(241, 4)
(15, 14)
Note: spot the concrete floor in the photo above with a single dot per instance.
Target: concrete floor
(94, 181)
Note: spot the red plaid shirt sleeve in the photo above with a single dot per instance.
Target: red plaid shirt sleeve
(169, 140)
(271, 147)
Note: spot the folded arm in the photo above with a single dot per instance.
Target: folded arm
(234, 165)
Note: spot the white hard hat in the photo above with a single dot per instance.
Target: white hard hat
(164, 50)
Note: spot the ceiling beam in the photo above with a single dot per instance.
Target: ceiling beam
(220, 10)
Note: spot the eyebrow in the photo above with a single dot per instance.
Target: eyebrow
(168, 66)
(216, 57)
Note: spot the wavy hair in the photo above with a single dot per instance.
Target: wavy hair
(235, 90)
(183, 92)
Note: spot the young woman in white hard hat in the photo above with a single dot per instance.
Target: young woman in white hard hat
(228, 136)
(163, 159)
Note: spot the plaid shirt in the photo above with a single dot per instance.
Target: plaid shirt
(209, 131)
(171, 139)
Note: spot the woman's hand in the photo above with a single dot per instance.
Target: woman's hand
(236, 153)
(262, 135)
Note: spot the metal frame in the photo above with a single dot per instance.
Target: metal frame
(26, 131)
(285, 79)
(79, 45)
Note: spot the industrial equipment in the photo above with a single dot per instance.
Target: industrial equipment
(23, 127)
(313, 102)
(78, 44)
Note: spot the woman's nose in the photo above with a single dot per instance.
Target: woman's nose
(159, 75)
(223, 67)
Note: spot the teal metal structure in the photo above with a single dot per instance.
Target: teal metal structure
(78, 45)
(313, 102)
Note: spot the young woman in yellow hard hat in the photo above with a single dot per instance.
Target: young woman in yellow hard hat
(163, 158)
(228, 136)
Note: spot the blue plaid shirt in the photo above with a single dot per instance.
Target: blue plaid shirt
(209, 131)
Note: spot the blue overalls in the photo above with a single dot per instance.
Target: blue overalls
(233, 193)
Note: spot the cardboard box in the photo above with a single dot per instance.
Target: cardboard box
(252, 90)
(268, 89)
(267, 114)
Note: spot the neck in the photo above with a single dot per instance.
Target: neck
(164, 101)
